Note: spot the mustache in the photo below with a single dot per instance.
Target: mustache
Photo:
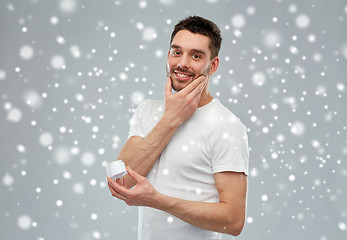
(182, 70)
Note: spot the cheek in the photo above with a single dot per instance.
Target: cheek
(171, 61)
(170, 64)
(202, 70)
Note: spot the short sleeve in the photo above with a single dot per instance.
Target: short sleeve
(136, 122)
(230, 148)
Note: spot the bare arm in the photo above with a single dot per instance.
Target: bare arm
(227, 216)
(141, 153)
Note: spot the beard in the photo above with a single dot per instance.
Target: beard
(193, 75)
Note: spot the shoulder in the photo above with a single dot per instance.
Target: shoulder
(226, 118)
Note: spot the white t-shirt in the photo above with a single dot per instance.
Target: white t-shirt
(212, 140)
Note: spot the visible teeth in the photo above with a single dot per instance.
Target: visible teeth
(181, 75)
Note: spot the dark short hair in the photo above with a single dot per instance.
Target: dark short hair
(196, 24)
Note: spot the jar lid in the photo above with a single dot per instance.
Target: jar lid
(116, 169)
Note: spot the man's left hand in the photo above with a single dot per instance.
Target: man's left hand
(142, 194)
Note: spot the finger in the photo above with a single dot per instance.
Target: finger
(125, 183)
(119, 181)
(137, 177)
(199, 89)
(168, 86)
(203, 86)
(115, 193)
(120, 189)
(112, 183)
(193, 85)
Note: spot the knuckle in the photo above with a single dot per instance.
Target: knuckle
(179, 96)
(168, 97)
(131, 196)
(142, 178)
(189, 100)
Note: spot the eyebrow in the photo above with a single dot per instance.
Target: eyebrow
(192, 50)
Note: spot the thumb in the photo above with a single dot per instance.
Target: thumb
(134, 175)
(168, 86)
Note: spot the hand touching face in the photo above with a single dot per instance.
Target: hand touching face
(189, 57)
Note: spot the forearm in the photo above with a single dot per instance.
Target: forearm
(218, 217)
(227, 216)
(142, 155)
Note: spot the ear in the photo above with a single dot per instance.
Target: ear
(214, 65)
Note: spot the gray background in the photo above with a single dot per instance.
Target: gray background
(72, 72)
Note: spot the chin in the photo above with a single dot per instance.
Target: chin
(178, 86)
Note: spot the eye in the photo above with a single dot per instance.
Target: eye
(196, 56)
(175, 52)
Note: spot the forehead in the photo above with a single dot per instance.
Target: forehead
(188, 41)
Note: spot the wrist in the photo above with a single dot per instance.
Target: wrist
(170, 122)
(164, 203)
(157, 200)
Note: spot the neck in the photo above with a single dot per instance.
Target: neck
(205, 97)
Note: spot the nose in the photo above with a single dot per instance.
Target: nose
(183, 62)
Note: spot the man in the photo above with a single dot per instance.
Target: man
(187, 156)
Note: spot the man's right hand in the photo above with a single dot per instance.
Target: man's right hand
(181, 106)
(141, 153)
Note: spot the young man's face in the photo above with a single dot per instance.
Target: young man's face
(189, 57)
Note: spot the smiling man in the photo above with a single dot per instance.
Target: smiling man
(187, 156)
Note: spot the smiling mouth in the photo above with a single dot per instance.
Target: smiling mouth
(182, 75)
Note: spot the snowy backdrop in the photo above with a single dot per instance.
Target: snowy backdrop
(72, 72)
